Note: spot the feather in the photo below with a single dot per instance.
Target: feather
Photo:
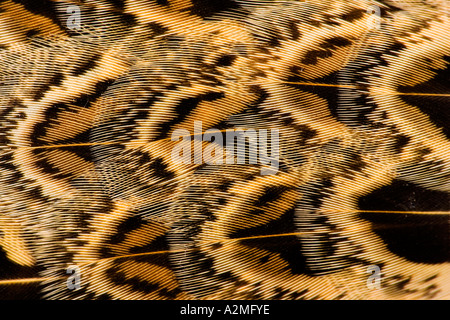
(237, 149)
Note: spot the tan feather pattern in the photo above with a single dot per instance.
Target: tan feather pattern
(353, 93)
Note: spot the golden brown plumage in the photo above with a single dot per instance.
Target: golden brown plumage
(92, 94)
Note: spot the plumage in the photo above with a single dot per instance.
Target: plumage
(345, 194)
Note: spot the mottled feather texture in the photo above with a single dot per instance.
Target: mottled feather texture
(92, 91)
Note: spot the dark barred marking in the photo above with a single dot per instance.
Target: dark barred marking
(84, 152)
(353, 15)
(291, 249)
(103, 297)
(353, 162)
(435, 107)
(314, 199)
(295, 34)
(312, 57)
(37, 194)
(226, 60)
(125, 227)
(430, 236)
(162, 2)
(41, 90)
(271, 193)
(183, 109)
(118, 4)
(31, 33)
(119, 277)
(261, 93)
(401, 141)
(51, 119)
(10, 270)
(330, 94)
(157, 28)
(88, 65)
(208, 8)
(46, 167)
(430, 278)
(160, 169)
(335, 42)
(282, 294)
(45, 8)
